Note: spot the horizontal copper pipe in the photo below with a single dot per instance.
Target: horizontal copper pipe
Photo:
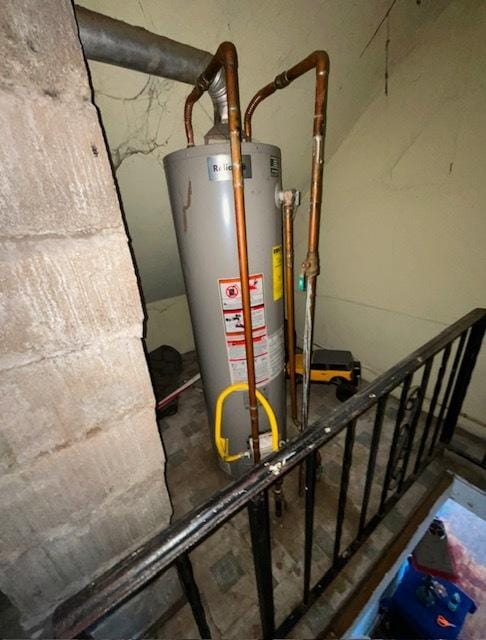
(226, 58)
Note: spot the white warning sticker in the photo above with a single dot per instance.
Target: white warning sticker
(230, 290)
(232, 308)
(233, 319)
(237, 357)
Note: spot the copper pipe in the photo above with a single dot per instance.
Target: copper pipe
(226, 58)
(289, 204)
(318, 60)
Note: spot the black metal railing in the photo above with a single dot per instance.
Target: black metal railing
(418, 433)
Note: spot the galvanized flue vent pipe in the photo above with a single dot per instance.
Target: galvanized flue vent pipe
(115, 42)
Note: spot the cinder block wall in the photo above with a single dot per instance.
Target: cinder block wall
(82, 466)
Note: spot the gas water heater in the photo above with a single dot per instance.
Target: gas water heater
(200, 186)
(227, 202)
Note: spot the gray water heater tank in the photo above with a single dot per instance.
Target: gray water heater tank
(201, 196)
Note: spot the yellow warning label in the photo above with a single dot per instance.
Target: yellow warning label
(277, 272)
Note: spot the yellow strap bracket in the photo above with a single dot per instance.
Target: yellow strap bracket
(222, 444)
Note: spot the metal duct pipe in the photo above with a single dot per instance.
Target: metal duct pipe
(115, 42)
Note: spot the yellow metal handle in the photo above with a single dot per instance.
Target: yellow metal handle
(222, 444)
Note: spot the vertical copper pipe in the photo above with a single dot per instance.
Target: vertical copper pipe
(310, 266)
(319, 61)
(226, 58)
(288, 232)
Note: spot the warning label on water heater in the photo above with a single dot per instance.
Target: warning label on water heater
(267, 350)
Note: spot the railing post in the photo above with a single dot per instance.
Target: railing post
(463, 379)
(433, 403)
(310, 499)
(370, 471)
(393, 447)
(447, 393)
(413, 423)
(189, 586)
(343, 492)
(262, 560)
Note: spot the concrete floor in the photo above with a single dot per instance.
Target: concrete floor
(223, 564)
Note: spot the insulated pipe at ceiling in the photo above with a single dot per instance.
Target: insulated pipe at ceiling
(115, 42)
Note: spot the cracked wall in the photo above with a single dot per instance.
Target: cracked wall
(142, 116)
(82, 466)
(403, 243)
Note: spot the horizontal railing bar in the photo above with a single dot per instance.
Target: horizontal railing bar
(116, 585)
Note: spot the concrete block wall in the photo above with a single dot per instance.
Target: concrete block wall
(81, 463)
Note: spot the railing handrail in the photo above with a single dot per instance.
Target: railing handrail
(160, 552)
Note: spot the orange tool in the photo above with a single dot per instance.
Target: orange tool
(443, 622)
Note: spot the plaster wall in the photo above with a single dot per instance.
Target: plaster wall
(142, 115)
(403, 236)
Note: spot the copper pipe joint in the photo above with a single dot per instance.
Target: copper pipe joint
(318, 60)
(226, 58)
(310, 266)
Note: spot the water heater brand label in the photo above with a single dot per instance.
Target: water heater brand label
(275, 166)
(219, 167)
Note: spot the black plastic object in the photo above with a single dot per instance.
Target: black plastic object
(345, 390)
(165, 364)
(323, 359)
